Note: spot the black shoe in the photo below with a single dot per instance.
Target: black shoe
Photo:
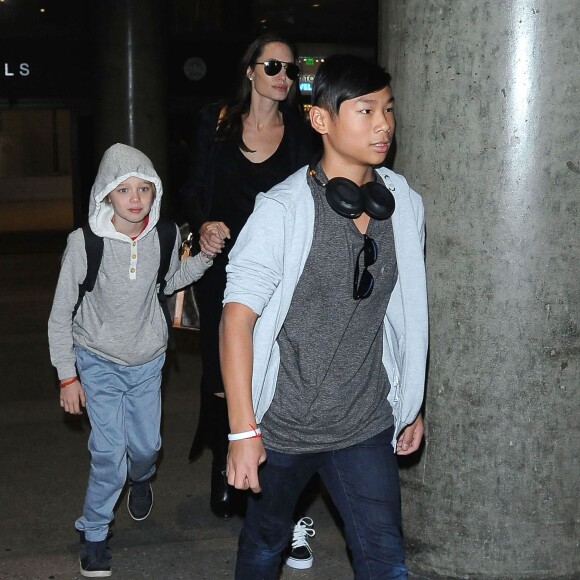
(139, 499)
(95, 559)
(301, 556)
(221, 497)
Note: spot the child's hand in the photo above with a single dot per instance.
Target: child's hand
(212, 237)
(72, 398)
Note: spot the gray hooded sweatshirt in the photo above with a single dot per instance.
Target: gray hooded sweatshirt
(121, 319)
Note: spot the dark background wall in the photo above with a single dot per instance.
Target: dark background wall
(70, 59)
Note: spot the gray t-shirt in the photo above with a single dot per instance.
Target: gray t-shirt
(332, 387)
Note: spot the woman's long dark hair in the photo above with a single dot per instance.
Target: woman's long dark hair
(230, 125)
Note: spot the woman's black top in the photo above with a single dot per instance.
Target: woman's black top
(223, 186)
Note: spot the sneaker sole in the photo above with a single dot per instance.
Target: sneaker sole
(300, 564)
(95, 573)
(147, 514)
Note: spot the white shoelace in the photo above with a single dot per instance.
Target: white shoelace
(303, 530)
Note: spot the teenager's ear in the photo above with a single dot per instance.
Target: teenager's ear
(318, 119)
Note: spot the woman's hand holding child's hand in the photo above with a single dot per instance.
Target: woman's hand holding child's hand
(212, 238)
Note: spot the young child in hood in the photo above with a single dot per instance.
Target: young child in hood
(110, 353)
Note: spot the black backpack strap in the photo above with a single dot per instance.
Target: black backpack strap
(94, 250)
(167, 232)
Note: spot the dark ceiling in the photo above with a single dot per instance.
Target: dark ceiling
(351, 22)
(321, 21)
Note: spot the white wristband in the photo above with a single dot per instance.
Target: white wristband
(254, 433)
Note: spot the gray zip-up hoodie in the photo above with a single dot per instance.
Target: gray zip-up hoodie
(121, 319)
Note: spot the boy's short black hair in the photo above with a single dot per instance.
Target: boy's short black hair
(342, 77)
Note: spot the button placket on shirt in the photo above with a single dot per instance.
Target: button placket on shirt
(133, 262)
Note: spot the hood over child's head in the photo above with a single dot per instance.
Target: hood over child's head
(119, 162)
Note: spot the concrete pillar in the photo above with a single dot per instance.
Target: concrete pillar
(130, 77)
(488, 131)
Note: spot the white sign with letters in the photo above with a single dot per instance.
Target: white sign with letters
(19, 70)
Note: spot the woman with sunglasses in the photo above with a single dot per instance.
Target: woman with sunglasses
(243, 146)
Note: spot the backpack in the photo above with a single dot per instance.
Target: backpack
(167, 232)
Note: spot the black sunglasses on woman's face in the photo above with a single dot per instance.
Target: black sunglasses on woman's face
(273, 66)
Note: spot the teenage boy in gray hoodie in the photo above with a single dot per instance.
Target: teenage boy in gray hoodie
(109, 355)
(323, 335)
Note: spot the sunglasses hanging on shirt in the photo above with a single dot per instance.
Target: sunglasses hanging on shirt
(362, 286)
(273, 66)
(349, 200)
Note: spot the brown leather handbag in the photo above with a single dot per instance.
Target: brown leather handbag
(182, 305)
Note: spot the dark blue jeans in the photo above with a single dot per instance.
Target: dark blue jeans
(363, 482)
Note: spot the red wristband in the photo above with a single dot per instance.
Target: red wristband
(67, 382)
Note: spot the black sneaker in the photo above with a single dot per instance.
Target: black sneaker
(301, 556)
(139, 499)
(95, 559)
